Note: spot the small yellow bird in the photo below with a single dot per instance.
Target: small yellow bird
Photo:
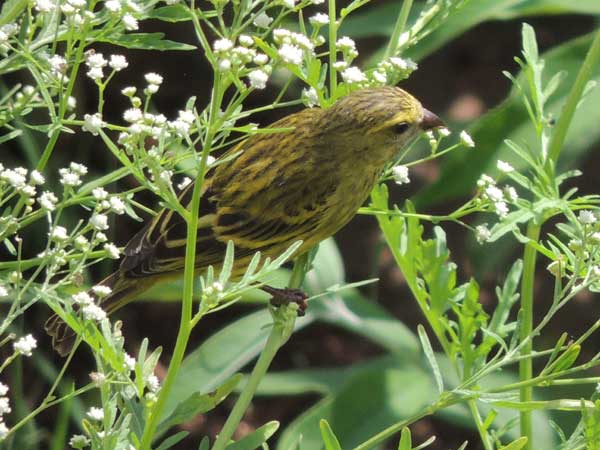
(303, 184)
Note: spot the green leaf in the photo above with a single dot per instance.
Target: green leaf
(172, 440)
(329, 439)
(255, 439)
(172, 14)
(405, 440)
(515, 445)
(431, 358)
(146, 41)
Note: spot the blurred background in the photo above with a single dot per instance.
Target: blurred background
(460, 78)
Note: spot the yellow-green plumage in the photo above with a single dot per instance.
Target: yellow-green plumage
(303, 184)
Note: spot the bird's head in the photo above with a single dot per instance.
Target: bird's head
(378, 123)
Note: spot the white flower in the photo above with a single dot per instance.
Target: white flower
(101, 237)
(95, 73)
(595, 238)
(310, 97)
(118, 62)
(443, 132)
(59, 233)
(130, 22)
(129, 91)
(482, 233)
(353, 75)
(246, 40)
(113, 6)
(117, 205)
(77, 168)
(3, 294)
(82, 298)
(101, 291)
(93, 312)
(258, 79)
(113, 251)
(262, 20)
(4, 406)
(587, 217)
(345, 43)
(3, 389)
(187, 116)
(400, 174)
(44, 6)
(494, 194)
(99, 222)
(504, 166)
(291, 54)
(3, 431)
(95, 413)
(289, 3)
(93, 59)
(261, 59)
(81, 243)
(466, 139)
(184, 183)
(36, 178)
(79, 441)
(93, 123)
(100, 193)
(501, 209)
(132, 115)
(25, 345)
(380, 77)
(224, 65)
(222, 45)
(14, 177)
(319, 20)
(152, 383)
(153, 78)
(58, 64)
(511, 193)
(129, 361)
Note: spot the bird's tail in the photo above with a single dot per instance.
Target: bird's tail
(123, 290)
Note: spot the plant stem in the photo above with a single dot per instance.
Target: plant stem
(283, 323)
(526, 364)
(332, 48)
(398, 29)
(560, 133)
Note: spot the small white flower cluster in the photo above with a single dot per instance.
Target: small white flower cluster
(4, 409)
(243, 60)
(25, 345)
(7, 31)
(400, 175)
(212, 295)
(126, 11)
(391, 71)
(89, 309)
(21, 181)
(499, 198)
(96, 64)
(310, 97)
(436, 137)
(293, 47)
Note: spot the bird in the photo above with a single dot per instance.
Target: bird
(301, 184)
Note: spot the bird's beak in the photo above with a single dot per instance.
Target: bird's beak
(430, 121)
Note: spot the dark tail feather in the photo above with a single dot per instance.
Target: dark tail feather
(123, 291)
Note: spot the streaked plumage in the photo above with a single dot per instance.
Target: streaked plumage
(304, 184)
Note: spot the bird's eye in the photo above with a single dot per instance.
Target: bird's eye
(401, 128)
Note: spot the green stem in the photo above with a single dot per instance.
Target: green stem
(283, 323)
(398, 29)
(526, 364)
(332, 49)
(592, 59)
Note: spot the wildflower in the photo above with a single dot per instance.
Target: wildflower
(224, 65)
(93, 312)
(93, 123)
(152, 383)
(44, 6)
(79, 441)
(222, 45)
(99, 222)
(132, 115)
(130, 23)
(36, 178)
(59, 233)
(118, 62)
(261, 59)
(3, 431)
(587, 217)
(3, 389)
(310, 97)
(113, 6)
(129, 91)
(258, 79)
(113, 250)
(291, 54)
(501, 209)
(319, 20)
(494, 194)
(129, 361)
(25, 345)
(82, 298)
(14, 177)
(184, 183)
(482, 233)
(58, 64)
(504, 166)
(3, 294)
(353, 75)
(443, 132)
(4, 406)
(117, 205)
(400, 174)
(345, 43)
(153, 78)
(246, 40)
(95, 413)
(101, 291)
(511, 193)
(262, 20)
(466, 139)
